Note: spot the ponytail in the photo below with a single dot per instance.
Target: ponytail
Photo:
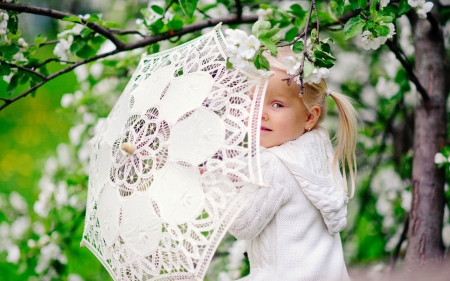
(346, 140)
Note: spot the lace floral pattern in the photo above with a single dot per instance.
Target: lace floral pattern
(167, 167)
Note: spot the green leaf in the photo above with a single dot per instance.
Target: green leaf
(263, 62)
(269, 33)
(86, 51)
(157, 27)
(385, 19)
(325, 47)
(323, 59)
(72, 19)
(297, 11)
(354, 4)
(93, 18)
(12, 84)
(353, 27)
(269, 45)
(307, 69)
(298, 47)
(403, 7)
(362, 4)
(260, 26)
(338, 6)
(373, 9)
(77, 44)
(229, 64)
(382, 30)
(9, 51)
(5, 69)
(85, 32)
(157, 9)
(39, 40)
(176, 23)
(291, 34)
(13, 23)
(188, 7)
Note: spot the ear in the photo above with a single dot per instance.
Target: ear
(313, 117)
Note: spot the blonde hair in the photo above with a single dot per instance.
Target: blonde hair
(315, 94)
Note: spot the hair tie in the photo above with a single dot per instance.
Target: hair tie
(328, 92)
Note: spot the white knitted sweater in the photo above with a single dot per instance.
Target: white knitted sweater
(292, 228)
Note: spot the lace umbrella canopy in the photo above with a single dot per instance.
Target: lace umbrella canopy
(168, 167)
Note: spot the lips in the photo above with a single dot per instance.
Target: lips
(265, 129)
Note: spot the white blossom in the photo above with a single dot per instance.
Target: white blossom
(317, 75)
(235, 257)
(249, 46)
(384, 3)
(220, 10)
(13, 254)
(265, 14)
(74, 277)
(62, 197)
(241, 47)
(4, 17)
(439, 158)
(22, 43)
(387, 88)
(64, 154)
(406, 200)
(446, 235)
(422, 10)
(292, 65)
(369, 41)
(415, 3)
(19, 226)
(38, 228)
(49, 253)
(96, 70)
(19, 58)
(75, 133)
(391, 30)
(66, 100)
(18, 202)
(81, 72)
(62, 49)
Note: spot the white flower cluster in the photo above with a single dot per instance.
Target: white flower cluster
(369, 41)
(235, 260)
(241, 47)
(4, 17)
(293, 66)
(266, 14)
(439, 158)
(421, 7)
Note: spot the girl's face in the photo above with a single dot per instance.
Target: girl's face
(284, 114)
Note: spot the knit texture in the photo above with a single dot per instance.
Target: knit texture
(292, 227)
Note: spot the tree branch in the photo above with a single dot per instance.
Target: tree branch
(50, 42)
(60, 15)
(138, 44)
(126, 32)
(27, 70)
(238, 9)
(405, 63)
(53, 76)
(400, 242)
(52, 59)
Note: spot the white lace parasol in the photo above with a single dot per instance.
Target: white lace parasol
(168, 167)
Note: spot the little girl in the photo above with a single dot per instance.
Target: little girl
(292, 228)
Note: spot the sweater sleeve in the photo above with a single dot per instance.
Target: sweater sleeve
(260, 210)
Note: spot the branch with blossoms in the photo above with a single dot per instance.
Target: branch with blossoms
(84, 35)
(310, 64)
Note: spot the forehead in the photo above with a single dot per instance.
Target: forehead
(280, 87)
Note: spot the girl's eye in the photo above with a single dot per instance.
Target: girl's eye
(277, 105)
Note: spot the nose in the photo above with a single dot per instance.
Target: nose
(264, 115)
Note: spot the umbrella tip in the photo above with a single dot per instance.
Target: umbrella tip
(82, 244)
(218, 26)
